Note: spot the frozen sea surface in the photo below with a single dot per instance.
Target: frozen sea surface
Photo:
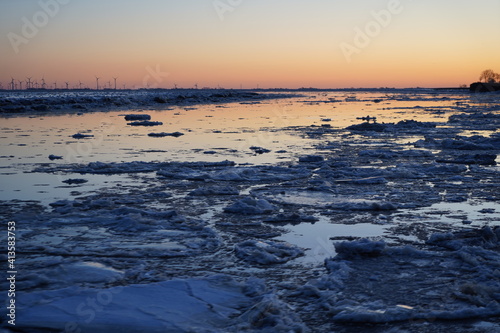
(267, 215)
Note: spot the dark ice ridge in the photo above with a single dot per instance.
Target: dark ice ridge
(80, 101)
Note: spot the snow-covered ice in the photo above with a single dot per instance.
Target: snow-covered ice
(191, 305)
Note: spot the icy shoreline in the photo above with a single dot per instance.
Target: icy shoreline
(47, 102)
(180, 225)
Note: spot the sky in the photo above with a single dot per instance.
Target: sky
(249, 43)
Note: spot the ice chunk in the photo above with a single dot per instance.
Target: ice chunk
(215, 190)
(133, 117)
(481, 159)
(380, 153)
(311, 159)
(259, 150)
(145, 123)
(406, 124)
(439, 237)
(81, 136)
(271, 314)
(464, 145)
(291, 218)
(163, 134)
(365, 181)
(55, 157)
(364, 206)
(267, 252)
(117, 168)
(61, 203)
(250, 206)
(91, 272)
(363, 247)
(367, 127)
(388, 154)
(72, 181)
(377, 312)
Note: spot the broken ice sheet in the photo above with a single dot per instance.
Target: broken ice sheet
(126, 227)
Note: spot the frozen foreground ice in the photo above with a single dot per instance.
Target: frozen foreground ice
(385, 227)
(212, 304)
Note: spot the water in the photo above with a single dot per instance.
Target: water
(224, 131)
(316, 238)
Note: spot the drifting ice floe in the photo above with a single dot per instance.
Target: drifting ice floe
(134, 117)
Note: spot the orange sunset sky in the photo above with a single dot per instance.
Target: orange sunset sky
(233, 43)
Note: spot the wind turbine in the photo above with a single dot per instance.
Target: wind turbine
(175, 86)
(196, 86)
(12, 83)
(55, 85)
(80, 84)
(29, 82)
(20, 85)
(67, 85)
(97, 82)
(43, 83)
(115, 78)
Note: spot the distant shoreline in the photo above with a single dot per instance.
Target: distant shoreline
(159, 90)
(482, 87)
(48, 101)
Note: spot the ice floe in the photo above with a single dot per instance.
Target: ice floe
(164, 134)
(135, 117)
(145, 123)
